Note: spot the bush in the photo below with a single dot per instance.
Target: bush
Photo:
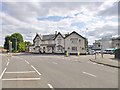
(117, 53)
(21, 47)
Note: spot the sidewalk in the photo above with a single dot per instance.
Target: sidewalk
(107, 61)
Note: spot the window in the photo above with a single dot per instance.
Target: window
(59, 41)
(59, 48)
(74, 48)
(74, 40)
(82, 48)
(98, 45)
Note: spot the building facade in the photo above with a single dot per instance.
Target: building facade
(116, 42)
(58, 43)
(107, 43)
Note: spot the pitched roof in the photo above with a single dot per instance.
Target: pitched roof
(53, 36)
(37, 35)
(75, 33)
(59, 34)
(48, 37)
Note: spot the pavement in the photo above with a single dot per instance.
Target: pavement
(108, 61)
(56, 71)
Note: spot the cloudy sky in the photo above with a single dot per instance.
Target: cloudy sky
(90, 19)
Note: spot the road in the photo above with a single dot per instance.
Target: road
(55, 71)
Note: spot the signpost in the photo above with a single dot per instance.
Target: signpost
(10, 48)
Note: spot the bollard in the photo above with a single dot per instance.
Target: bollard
(78, 53)
(66, 54)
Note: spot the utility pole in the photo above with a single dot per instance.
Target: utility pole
(95, 52)
(86, 47)
(10, 48)
(102, 48)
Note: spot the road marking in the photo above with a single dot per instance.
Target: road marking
(93, 63)
(27, 62)
(54, 63)
(22, 72)
(8, 59)
(7, 63)
(100, 64)
(13, 79)
(51, 86)
(36, 70)
(89, 62)
(3, 73)
(89, 74)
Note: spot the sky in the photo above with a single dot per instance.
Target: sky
(92, 20)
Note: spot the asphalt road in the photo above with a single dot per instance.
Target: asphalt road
(52, 71)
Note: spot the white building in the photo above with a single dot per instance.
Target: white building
(107, 43)
(58, 43)
(116, 42)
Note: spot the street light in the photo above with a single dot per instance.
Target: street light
(102, 48)
(95, 50)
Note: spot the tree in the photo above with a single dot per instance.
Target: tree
(6, 43)
(27, 43)
(21, 46)
(17, 37)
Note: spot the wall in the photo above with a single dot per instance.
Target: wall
(57, 44)
(80, 44)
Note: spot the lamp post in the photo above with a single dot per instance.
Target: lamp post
(86, 46)
(10, 46)
(102, 48)
(95, 52)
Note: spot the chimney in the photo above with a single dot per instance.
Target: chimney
(55, 32)
(68, 33)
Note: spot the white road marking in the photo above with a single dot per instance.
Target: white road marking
(51, 86)
(8, 59)
(3, 73)
(13, 79)
(93, 63)
(89, 62)
(54, 63)
(89, 74)
(100, 64)
(7, 63)
(36, 70)
(27, 62)
(22, 72)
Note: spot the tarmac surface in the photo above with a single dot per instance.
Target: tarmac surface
(56, 71)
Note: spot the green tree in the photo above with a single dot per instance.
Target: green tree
(6, 43)
(27, 43)
(21, 46)
(17, 37)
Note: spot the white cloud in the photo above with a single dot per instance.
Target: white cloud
(22, 17)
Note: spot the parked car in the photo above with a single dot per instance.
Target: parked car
(91, 52)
